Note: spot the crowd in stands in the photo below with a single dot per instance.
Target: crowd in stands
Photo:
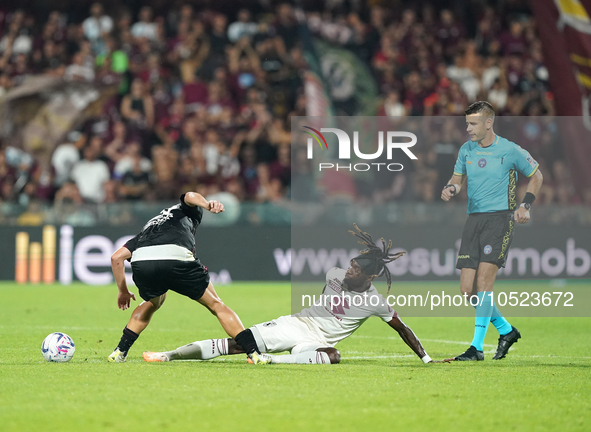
(205, 98)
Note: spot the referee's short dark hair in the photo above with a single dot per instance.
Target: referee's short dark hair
(481, 107)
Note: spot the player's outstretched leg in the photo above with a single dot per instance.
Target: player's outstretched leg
(198, 350)
(505, 342)
(232, 325)
(318, 356)
(140, 318)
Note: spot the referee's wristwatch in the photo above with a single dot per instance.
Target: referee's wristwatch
(527, 206)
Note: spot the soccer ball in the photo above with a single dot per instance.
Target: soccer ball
(58, 347)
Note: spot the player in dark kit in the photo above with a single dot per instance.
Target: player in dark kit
(162, 258)
(490, 163)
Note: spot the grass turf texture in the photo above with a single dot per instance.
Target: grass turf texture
(544, 384)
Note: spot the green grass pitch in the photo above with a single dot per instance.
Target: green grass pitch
(543, 385)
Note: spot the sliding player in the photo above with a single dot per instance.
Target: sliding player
(348, 299)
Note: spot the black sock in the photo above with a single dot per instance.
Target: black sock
(127, 340)
(246, 340)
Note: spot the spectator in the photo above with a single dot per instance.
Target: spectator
(244, 27)
(97, 25)
(68, 193)
(79, 70)
(497, 96)
(212, 150)
(449, 32)
(138, 106)
(8, 176)
(218, 37)
(126, 161)
(33, 216)
(49, 58)
(65, 157)
(5, 84)
(112, 195)
(392, 107)
(564, 190)
(16, 40)
(145, 27)
(269, 189)
(281, 168)
(513, 42)
(165, 159)
(90, 175)
(286, 26)
(116, 147)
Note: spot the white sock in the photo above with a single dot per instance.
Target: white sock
(308, 357)
(200, 350)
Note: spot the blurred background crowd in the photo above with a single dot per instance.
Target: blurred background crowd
(205, 92)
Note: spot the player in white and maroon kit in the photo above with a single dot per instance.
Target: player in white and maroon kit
(349, 298)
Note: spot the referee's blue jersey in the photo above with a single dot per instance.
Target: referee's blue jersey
(492, 174)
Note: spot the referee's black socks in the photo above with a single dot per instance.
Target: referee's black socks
(127, 340)
(246, 340)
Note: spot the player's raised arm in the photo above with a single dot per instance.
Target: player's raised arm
(409, 338)
(194, 199)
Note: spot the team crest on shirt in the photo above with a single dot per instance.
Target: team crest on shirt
(482, 163)
(487, 249)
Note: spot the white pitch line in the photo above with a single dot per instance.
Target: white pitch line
(425, 340)
(378, 357)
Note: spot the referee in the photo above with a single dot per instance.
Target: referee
(162, 258)
(490, 163)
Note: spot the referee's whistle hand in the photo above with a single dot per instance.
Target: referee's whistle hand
(521, 215)
(446, 194)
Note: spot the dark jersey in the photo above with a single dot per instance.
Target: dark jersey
(175, 225)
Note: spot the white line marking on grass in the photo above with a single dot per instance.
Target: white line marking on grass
(455, 342)
(425, 340)
(377, 357)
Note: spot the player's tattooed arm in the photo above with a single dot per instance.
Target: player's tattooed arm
(194, 199)
(409, 338)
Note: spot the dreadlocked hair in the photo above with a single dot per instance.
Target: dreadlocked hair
(375, 258)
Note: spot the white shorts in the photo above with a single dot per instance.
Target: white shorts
(287, 333)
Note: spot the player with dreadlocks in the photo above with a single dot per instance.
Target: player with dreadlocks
(373, 260)
(348, 299)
